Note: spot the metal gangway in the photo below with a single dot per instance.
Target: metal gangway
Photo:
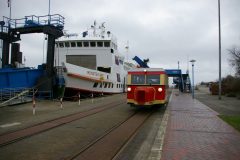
(54, 20)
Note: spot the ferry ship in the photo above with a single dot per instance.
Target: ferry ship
(91, 63)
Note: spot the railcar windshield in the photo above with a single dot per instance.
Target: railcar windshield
(145, 79)
(138, 79)
(153, 79)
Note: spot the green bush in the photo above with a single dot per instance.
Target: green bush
(232, 85)
(231, 94)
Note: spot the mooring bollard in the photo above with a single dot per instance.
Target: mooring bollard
(79, 97)
(61, 101)
(34, 105)
(92, 97)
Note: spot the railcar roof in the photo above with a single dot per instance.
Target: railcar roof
(147, 70)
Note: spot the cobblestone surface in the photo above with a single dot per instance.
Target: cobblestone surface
(194, 132)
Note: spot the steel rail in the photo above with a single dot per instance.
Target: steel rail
(108, 145)
(8, 138)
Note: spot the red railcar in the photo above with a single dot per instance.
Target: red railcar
(147, 86)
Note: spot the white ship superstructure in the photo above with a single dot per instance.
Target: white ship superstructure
(91, 61)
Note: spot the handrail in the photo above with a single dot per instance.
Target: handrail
(55, 20)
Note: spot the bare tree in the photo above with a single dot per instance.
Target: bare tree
(234, 60)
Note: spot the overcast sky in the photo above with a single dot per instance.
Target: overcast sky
(165, 31)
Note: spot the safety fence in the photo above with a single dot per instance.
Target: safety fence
(11, 96)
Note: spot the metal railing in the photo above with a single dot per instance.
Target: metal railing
(55, 20)
(10, 96)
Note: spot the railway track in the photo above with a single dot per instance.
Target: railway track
(109, 145)
(8, 138)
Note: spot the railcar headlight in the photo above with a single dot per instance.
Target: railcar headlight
(160, 89)
(129, 89)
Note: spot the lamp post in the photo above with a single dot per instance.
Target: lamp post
(192, 61)
(219, 33)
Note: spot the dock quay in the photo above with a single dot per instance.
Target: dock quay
(108, 128)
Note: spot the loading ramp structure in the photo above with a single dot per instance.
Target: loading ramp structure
(11, 31)
(182, 81)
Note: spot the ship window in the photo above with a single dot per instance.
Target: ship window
(118, 77)
(116, 60)
(86, 44)
(99, 44)
(67, 44)
(100, 85)
(104, 69)
(93, 44)
(112, 51)
(109, 85)
(153, 79)
(106, 44)
(138, 79)
(114, 46)
(73, 44)
(61, 45)
(105, 85)
(112, 85)
(95, 85)
(79, 44)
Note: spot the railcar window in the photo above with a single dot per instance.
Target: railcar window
(138, 79)
(153, 79)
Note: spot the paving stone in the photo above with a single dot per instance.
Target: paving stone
(194, 132)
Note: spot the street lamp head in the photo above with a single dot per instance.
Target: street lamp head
(193, 60)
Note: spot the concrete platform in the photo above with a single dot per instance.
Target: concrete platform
(194, 132)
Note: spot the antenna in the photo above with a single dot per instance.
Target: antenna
(187, 64)
(94, 28)
(127, 49)
(102, 30)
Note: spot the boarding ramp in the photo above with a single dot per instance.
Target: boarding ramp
(11, 31)
(182, 81)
